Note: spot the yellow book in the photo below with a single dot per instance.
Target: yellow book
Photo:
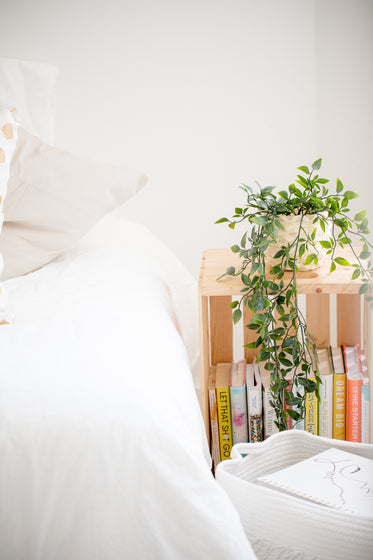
(339, 406)
(224, 410)
(312, 413)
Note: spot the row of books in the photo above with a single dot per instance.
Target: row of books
(343, 408)
(240, 409)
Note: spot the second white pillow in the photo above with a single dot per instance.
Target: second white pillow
(53, 199)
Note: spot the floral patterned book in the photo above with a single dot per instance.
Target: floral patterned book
(254, 402)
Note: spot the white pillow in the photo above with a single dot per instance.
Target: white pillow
(8, 138)
(54, 198)
(31, 88)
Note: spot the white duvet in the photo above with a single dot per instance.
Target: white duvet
(102, 447)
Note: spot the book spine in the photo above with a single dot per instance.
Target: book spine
(339, 406)
(239, 414)
(353, 410)
(224, 421)
(269, 414)
(255, 415)
(326, 406)
(312, 416)
(215, 446)
(365, 414)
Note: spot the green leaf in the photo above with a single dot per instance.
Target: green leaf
(275, 269)
(350, 195)
(279, 331)
(259, 220)
(355, 274)
(325, 244)
(235, 249)
(302, 180)
(293, 414)
(284, 195)
(322, 181)
(317, 164)
(264, 355)
(309, 259)
(304, 168)
(332, 267)
(364, 223)
(237, 314)
(279, 224)
(267, 190)
(231, 270)
(340, 223)
(232, 225)
(285, 362)
(360, 215)
(233, 305)
(363, 288)
(222, 220)
(293, 189)
(339, 186)
(258, 319)
(364, 255)
(342, 261)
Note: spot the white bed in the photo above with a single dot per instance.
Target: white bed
(103, 454)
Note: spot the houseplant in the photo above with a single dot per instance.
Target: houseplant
(320, 224)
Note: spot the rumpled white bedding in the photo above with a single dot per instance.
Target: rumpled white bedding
(102, 447)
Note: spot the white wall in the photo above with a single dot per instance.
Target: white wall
(344, 30)
(205, 94)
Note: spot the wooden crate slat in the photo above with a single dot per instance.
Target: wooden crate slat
(348, 319)
(309, 282)
(318, 318)
(221, 329)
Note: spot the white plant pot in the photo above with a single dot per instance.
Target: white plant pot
(291, 227)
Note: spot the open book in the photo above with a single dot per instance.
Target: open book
(333, 478)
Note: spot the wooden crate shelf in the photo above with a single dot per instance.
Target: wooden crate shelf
(354, 320)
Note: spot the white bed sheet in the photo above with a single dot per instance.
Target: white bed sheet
(102, 447)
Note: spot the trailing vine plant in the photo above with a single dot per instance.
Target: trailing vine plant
(283, 341)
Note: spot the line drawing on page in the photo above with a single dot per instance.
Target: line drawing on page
(340, 473)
